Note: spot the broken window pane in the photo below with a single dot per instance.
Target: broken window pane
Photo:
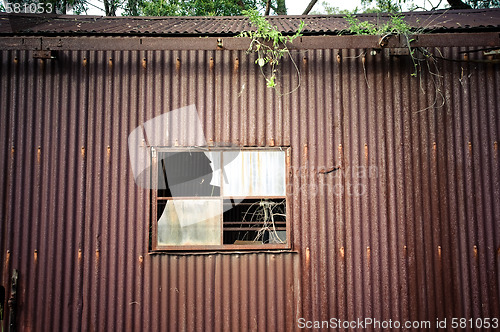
(254, 173)
(188, 174)
(189, 222)
(254, 221)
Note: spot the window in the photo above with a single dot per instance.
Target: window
(206, 199)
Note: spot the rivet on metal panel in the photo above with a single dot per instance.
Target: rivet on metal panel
(109, 152)
(304, 62)
(97, 253)
(434, 146)
(176, 143)
(141, 259)
(271, 142)
(439, 252)
(16, 60)
(475, 251)
(211, 63)
(177, 64)
(35, 256)
(470, 147)
(144, 63)
(84, 62)
(339, 57)
(79, 254)
(342, 252)
(368, 254)
(405, 250)
(39, 154)
(236, 64)
(7, 258)
(110, 62)
(83, 152)
(466, 56)
(366, 151)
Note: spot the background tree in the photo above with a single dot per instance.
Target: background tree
(396, 5)
(202, 7)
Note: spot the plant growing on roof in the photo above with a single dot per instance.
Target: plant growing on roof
(269, 44)
(396, 25)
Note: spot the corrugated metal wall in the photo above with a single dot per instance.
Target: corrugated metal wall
(407, 229)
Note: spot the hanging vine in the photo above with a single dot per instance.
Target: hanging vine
(270, 45)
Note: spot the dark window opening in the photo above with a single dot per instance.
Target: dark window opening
(254, 221)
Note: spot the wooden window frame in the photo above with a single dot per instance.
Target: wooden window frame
(155, 247)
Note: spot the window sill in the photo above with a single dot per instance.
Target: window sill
(161, 252)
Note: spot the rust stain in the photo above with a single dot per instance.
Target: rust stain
(79, 255)
(470, 147)
(7, 259)
(84, 62)
(35, 256)
(475, 251)
(368, 255)
(342, 252)
(39, 155)
(97, 254)
(83, 151)
(439, 252)
(211, 63)
(177, 64)
(16, 60)
(109, 153)
(271, 142)
(366, 151)
(339, 57)
(12, 152)
(110, 62)
(236, 65)
(144, 63)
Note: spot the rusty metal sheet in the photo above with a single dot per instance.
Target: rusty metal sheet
(395, 195)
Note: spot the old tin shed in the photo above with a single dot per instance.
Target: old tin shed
(420, 243)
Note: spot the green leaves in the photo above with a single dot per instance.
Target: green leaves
(268, 42)
(396, 24)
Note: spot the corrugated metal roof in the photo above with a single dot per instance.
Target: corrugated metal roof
(205, 26)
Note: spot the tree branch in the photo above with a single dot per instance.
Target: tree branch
(309, 7)
(458, 4)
